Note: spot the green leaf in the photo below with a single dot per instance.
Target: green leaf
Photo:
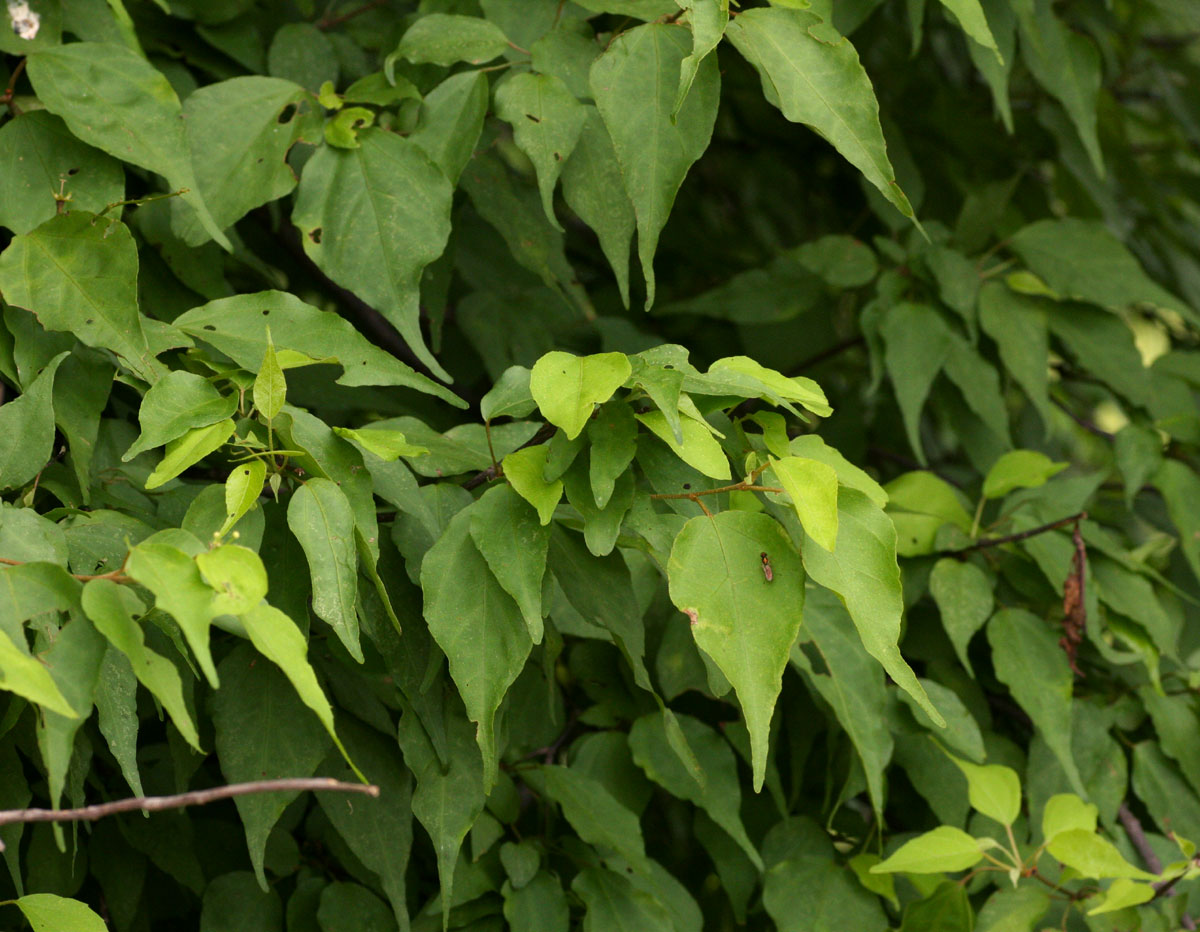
(78, 273)
(111, 609)
(237, 326)
(1093, 856)
(708, 19)
(963, 593)
(720, 795)
(525, 470)
(239, 133)
(635, 83)
(592, 187)
(994, 790)
(811, 446)
(1122, 893)
(944, 849)
(372, 218)
(30, 418)
(114, 99)
(1019, 469)
(546, 120)
(814, 77)
(973, 21)
(177, 403)
(320, 516)
(27, 676)
(388, 445)
(918, 344)
(594, 814)
(613, 436)
(175, 580)
(699, 448)
(1030, 663)
(508, 535)
(1013, 910)
(813, 488)
(270, 385)
(567, 388)
(538, 904)
(116, 701)
(1065, 812)
(863, 571)
(920, 504)
(947, 909)
(1017, 324)
(451, 120)
(613, 903)
(262, 732)
(744, 622)
(449, 794)
(234, 902)
(188, 450)
(242, 491)
(773, 386)
(39, 158)
(444, 39)
(509, 397)
(477, 624)
(815, 893)
(47, 912)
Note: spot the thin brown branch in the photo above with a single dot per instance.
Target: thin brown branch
(1012, 538)
(329, 22)
(9, 95)
(117, 576)
(180, 800)
(1083, 422)
(1137, 838)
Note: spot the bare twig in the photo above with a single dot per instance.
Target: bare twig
(1137, 837)
(180, 800)
(1013, 538)
(1074, 603)
(329, 22)
(117, 576)
(9, 95)
(746, 485)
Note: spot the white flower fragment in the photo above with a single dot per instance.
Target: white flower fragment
(25, 22)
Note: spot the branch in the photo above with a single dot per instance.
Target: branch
(1137, 837)
(117, 576)
(1012, 538)
(194, 798)
(9, 95)
(329, 22)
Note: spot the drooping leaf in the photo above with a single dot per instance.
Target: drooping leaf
(963, 594)
(31, 419)
(188, 450)
(743, 621)
(613, 436)
(514, 543)
(813, 488)
(614, 903)
(699, 449)
(918, 344)
(596, 816)
(242, 490)
(525, 471)
(114, 99)
(635, 83)
(709, 18)
(451, 120)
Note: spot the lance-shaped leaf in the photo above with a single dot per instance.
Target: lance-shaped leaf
(112, 609)
(963, 593)
(944, 849)
(708, 19)
(28, 423)
(635, 84)
(79, 273)
(614, 903)
(1093, 856)
(546, 120)
(177, 403)
(451, 120)
(242, 489)
(270, 385)
(512, 540)
(114, 99)
(814, 77)
(595, 814)
(477, 625)
(188, 450)
(372, 218)
(863, 571)
(743, 621)
(567, 388)
(613, 434)
(320, 516)
(973, 20)
(237, 326)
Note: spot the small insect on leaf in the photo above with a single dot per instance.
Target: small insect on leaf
(766, 566)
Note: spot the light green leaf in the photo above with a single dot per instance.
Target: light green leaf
(774, 386)
(239, 132)
(28, 677)
(1093, 856)
(720, 795)
(237, 576)
(811, 446)
(994, 790)
(111, 609)
(177, 403)
(478, 626)
(242, 489)
(78, 273)
(39, 158)
(262, 732)
(567, 388)
(509, 397)
(270, 385)
(1030, 663)
(613, 903)
(944, 849)
(508, 535)
(963, 593)
(47, 912)
(1065, 812)
(546, 120)
(744, 622)
(813, 488)
(444, 39)
(1019, 469)
(594, 814)
(175, 580)
(699, 448)
(237, 326)
(708, 20)
(814, 77)
(31, 419)
(592, 187)
(525, 470)
(863, 571)
(188, 450)
(920, 504)
(973, 21)
(388, 445)
(451, 120)
(114, 99)
(320, 516)
(372, 218)
(1123, 892)
(635, 83)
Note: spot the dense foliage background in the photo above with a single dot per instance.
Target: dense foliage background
(709, 467)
